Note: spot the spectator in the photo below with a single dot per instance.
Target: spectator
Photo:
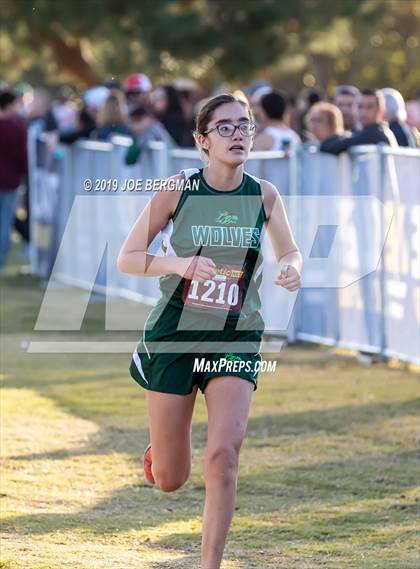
(24, 96)
(396, 115)
(167, 106)
(86, 125)
(305, 101)
(145, 128)
(325, 122)
(93, 99)
(413, 111)
(277, 135)
(63, 111)
(112, 117)
(188, 90)
(371, 110)
(35, 110)
(346, 98)
(13, 166)
(255, 104)
(292, 112)
(38, 111)
(254, 86)
(137, 89)
(188, 96)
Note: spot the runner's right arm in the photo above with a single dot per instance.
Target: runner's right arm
(133, 257)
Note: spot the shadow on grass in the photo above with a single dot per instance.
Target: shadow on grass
(270, 492)
(334, 420)
(338, 420)
(370, 525)
(278, 494)
(189, 561)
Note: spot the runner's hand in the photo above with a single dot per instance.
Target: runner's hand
(289, 278)
(197, 268)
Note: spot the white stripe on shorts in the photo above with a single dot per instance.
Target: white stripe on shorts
(137, 361)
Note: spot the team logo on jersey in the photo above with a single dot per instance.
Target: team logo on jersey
(226, 218)
(232, 357)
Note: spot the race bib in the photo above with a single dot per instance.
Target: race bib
(224, 291)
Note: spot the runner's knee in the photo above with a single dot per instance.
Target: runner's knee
(170, 481)
(222, 461)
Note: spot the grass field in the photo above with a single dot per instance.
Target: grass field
(328, 474)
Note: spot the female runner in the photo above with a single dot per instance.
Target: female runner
(209, 309)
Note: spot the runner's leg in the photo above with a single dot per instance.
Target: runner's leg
(170, 417)
(228, 400)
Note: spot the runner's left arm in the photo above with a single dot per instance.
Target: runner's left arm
(285, 248)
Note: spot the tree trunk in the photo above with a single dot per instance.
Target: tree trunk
(70, 57)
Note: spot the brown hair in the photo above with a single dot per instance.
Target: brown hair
(113, 110)
(331, 113)
(205, 114)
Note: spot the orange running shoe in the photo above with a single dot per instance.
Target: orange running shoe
(147, 464)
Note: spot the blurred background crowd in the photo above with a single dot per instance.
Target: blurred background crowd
(93, 69)
(144, 112)
(167, 112)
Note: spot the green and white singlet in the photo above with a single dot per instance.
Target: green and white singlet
(226, 226)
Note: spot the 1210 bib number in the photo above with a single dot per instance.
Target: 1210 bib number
(224, 291)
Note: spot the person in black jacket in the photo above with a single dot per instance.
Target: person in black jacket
(325, 123)
(371, 109)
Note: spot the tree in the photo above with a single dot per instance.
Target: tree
(210, 40)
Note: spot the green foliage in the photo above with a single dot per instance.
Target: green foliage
(212, 41)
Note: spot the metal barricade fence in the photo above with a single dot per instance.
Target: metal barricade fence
(342, 212)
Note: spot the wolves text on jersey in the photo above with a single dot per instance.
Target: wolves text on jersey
(215, 236)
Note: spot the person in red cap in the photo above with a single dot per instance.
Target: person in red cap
(137, 88)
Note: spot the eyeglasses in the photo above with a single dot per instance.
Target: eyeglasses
(228, 129)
